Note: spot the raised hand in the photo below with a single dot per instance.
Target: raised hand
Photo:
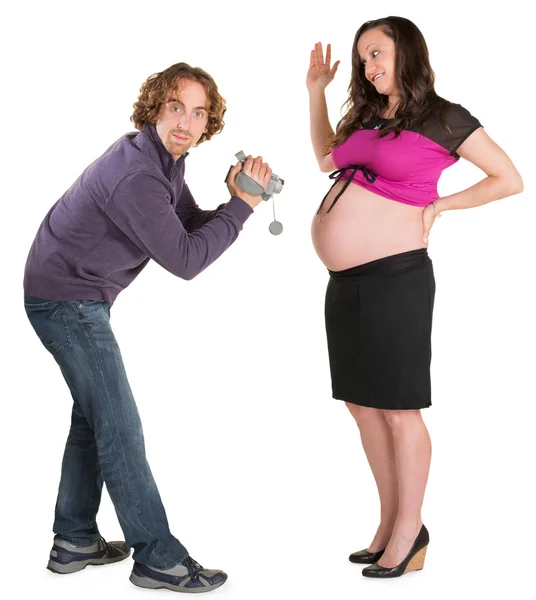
(320, 73)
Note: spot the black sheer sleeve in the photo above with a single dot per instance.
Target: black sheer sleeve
(460, 124)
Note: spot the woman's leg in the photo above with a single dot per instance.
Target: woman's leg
(413, 452)
(377, 441)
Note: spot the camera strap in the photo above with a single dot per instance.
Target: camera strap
(275, 227)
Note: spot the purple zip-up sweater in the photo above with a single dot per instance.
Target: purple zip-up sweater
(128, 206)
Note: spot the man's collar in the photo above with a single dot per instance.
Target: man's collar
(166, 157)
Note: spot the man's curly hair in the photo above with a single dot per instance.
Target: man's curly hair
(159, 87)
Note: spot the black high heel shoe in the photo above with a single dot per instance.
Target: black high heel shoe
(364, 557)
(414, 561)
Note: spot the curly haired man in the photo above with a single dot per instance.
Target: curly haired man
(130, 205)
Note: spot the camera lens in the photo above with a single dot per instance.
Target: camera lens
(278, 186)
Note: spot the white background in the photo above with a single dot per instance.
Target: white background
(261, 472)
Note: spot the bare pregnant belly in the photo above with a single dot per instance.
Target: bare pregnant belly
(363, 226)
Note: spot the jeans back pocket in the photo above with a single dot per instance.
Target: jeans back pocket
(49, 320)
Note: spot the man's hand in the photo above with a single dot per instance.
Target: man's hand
(257, 170)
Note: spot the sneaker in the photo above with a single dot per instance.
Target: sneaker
(66, 558)
(188, 576)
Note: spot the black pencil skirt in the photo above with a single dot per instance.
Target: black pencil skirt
(379, 325)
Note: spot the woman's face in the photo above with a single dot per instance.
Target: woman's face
(377, 54)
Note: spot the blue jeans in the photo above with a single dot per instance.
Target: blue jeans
(105, 441)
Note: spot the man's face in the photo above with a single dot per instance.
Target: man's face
(183, 118)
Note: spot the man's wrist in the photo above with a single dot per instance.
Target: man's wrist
(251, 201)
(241, 206)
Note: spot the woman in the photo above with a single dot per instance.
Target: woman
(371, 232)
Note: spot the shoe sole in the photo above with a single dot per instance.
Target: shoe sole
(145, 582)
(79, 565)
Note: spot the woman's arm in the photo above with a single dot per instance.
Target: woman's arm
(502, 179)
(321, 130)
(318, 77)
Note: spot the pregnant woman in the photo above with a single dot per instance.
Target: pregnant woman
(371, 232)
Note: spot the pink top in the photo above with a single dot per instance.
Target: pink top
(405, 169)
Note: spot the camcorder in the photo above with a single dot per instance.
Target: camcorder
(244, 182)
(250, 186)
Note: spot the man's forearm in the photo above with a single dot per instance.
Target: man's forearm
(198, 217)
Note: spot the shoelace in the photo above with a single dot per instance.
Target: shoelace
(108, 548)
(370, 176)
(193, 568)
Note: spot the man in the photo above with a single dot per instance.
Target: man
(127, 207)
